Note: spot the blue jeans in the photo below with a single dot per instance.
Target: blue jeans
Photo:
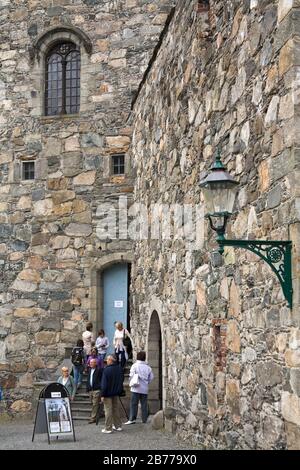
(102, 355)
(135, 398)
(77, 374)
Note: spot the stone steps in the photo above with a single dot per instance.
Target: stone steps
(83, 397)
(80, 410)
(79, 418)
(81, 406)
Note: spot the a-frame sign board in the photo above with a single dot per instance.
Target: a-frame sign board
(53, 414)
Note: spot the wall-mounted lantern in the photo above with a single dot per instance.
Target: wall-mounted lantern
(219, 192)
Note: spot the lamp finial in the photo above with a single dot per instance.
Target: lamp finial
(218, 165)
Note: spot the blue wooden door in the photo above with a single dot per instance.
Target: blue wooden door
(115, 297)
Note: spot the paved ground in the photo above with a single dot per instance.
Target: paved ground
(89, 437)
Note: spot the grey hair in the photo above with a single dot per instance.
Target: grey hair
(113, 357)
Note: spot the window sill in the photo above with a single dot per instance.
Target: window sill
(59, 117)
(117, 179)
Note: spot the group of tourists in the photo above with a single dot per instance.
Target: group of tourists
(105, 376)
(87, 349)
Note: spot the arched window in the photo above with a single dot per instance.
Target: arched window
(62, 93)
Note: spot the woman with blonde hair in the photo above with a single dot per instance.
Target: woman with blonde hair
(120, 337)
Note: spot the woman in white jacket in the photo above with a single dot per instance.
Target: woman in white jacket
(120, 349)
(140, 377)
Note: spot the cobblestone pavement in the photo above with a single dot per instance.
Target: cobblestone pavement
(17, 436)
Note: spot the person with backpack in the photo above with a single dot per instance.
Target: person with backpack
(77, 359)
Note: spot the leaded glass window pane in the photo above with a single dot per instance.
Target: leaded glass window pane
(63, 80)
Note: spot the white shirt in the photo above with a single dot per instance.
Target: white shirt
(102, 344)
(91, 377)
(87, 338)
(145, 374)
(118, 339)
(65, 380)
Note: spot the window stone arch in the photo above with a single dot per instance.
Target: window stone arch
(38, 54)
(56, 34)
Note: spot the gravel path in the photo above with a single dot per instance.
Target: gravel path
(17, 435)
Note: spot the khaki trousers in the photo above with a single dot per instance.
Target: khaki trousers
(95, 400)
(112, 413)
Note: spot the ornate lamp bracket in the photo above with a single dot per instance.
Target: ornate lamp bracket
(278, 255)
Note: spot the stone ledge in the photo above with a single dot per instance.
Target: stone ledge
(49, 119)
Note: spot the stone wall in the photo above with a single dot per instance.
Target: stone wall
(225, 78)
(49, 247)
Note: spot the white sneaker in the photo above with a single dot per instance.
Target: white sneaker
(117, 429)
(130, 422)
(106, 431)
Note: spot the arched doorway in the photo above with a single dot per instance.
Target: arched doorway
(115, 283)
(155, 397)
(107, 274)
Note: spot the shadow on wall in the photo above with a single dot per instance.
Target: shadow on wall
(155, 361)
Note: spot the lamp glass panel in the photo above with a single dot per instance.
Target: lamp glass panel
(208, 195)
(219, 198)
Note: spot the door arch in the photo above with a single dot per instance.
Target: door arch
(155, 360)
(115, 282)
(96, 290)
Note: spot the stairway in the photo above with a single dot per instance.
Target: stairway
(81, 405)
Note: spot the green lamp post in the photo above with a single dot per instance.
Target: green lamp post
(219, 192)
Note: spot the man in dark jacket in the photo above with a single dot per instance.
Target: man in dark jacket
(111, 388)
(93, 386)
